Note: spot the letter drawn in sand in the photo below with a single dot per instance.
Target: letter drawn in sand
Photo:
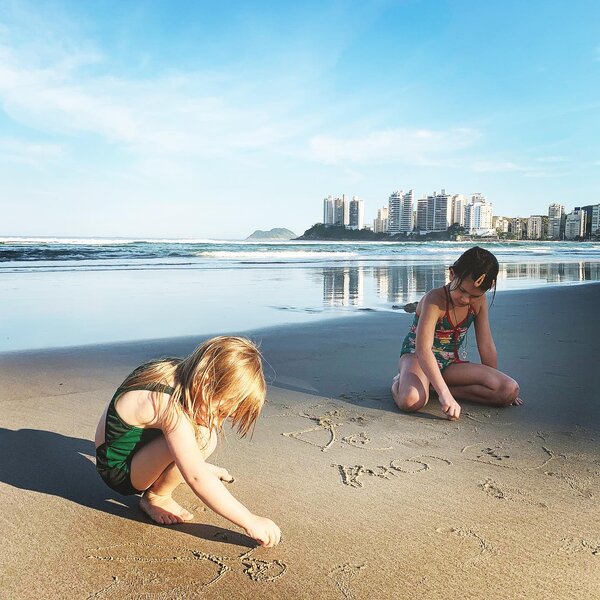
(343, 575)
(500, 456)
(351, 473)
(136, 581)
(325, 423)
(361, 440)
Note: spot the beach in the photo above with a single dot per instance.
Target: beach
(372, 503)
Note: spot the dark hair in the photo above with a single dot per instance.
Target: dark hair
(475, 263)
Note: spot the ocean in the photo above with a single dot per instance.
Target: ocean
(59, 292)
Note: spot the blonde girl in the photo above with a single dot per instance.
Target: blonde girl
(163, 422)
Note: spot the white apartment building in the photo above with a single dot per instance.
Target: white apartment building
(421, 223)
(341, 211)
(555, 221)
(575, 224)
(535, 227)
(478, 216)
(328, 211)
(556, 211)
(394, 212)
(356, 213)
(517, 227)
(380, 224)
(500, 224)
(400, 212)
(439, 211)
(596, 219)
(459, 203)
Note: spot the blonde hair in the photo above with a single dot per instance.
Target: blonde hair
(222, 378)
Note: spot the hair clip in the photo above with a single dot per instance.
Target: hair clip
(479, 280)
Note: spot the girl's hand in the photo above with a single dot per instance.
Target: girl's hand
(518, 402)
(264, 531)
(221, 473)
(450, 407)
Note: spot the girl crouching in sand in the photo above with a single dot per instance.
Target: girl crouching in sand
(430, 352)
(163, 422)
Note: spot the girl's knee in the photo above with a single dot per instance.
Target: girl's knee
(409, 400)
(508, 392)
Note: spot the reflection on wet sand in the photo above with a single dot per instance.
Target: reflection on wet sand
(345, 286)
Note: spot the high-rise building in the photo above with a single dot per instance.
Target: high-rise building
(341, 211)
(535, 229)
(328, 211)
(575, 224)
(589, 209)
(439, 211)
(556, 221)
(356, 213)
(406, 212)
(596, 220)
(556, 211)
(394, 212)
(478, 215)
(380, 224)
(421, 224)
(458, 209)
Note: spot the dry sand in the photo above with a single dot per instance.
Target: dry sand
(372, 503)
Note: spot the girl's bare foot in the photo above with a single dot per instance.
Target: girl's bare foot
(163, 509)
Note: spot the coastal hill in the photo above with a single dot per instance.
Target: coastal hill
(339, 232)
(277, 233)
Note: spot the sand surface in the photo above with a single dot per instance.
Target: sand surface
(372, 503)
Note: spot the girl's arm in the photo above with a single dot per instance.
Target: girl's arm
(430, 313)
(483, 334)
(207, 486)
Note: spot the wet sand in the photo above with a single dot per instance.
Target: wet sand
(372, 503)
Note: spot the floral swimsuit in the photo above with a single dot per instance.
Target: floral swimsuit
(447, 338)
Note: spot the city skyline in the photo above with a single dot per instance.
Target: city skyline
(179, 120)
(474, 214)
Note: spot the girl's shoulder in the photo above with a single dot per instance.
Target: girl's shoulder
(435, 298)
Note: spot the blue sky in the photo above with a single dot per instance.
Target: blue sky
(197, 119)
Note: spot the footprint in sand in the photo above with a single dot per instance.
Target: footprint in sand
(194, 562)
(572, 545)
(495, 490)
(343, 576)
(577, 484)
(483, 547)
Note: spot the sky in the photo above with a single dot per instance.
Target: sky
(199, 119)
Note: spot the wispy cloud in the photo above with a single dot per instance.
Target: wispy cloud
(32, 154)
(169, 116)
(495, 167)
(406, 146)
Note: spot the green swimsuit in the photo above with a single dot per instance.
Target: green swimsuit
(122, 441)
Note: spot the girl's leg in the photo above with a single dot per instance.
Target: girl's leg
(482, 384)
(410, 388)
(153, 470)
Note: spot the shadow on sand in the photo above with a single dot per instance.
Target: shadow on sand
(59, 465)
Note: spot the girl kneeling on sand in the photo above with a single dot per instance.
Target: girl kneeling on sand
(430, 352)
(163, 422)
